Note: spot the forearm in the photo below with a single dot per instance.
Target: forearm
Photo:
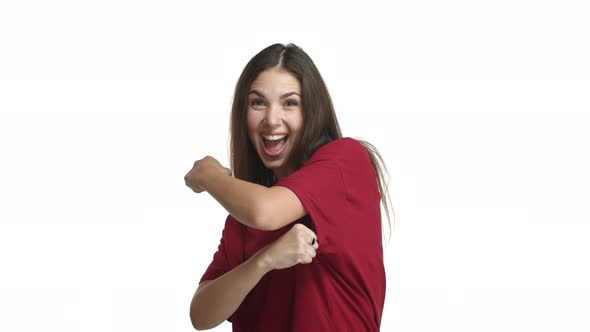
(221, 297)
(242, 199)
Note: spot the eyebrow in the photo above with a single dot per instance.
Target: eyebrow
(283, 96)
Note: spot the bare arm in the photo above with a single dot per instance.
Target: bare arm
(216, 300)
(252, 204)
(242, 199)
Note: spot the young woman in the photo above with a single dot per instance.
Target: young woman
(301, 249)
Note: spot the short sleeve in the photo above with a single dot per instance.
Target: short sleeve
(229, 253)
(320, 187)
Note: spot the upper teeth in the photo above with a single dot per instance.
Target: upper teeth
(274, 137)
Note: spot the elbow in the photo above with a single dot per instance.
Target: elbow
(199, 327)
(194, 320)
(198, 323)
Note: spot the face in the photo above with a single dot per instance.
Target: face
(275, 118)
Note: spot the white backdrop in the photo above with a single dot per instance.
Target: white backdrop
(480, 110)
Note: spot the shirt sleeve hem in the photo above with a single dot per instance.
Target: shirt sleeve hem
(307, 204)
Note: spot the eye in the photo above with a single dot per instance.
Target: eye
(254, 102)
(293, 103)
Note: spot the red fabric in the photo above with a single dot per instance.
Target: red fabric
(343, 289)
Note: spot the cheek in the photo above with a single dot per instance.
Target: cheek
(253, 139)
(250, 125)
(298, 124)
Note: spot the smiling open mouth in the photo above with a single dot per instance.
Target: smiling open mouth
(274, 148)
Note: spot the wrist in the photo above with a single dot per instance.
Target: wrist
(262, 262)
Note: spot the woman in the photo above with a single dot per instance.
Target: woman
(301, 249)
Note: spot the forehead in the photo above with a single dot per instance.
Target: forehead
(275, 81)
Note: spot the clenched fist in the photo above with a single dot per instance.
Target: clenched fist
(293, 247)
(201, 168)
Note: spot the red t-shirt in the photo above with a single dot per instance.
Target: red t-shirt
(343, 288)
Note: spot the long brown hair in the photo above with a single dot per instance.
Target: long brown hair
(320, 125)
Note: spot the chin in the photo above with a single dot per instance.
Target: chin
(273, 164)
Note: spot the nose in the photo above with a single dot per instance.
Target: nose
(272, 117)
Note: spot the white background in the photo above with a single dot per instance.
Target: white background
(479, 108)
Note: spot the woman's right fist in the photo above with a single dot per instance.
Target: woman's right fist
(293, 247)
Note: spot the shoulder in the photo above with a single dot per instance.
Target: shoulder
(350, 156)
(341, 149)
